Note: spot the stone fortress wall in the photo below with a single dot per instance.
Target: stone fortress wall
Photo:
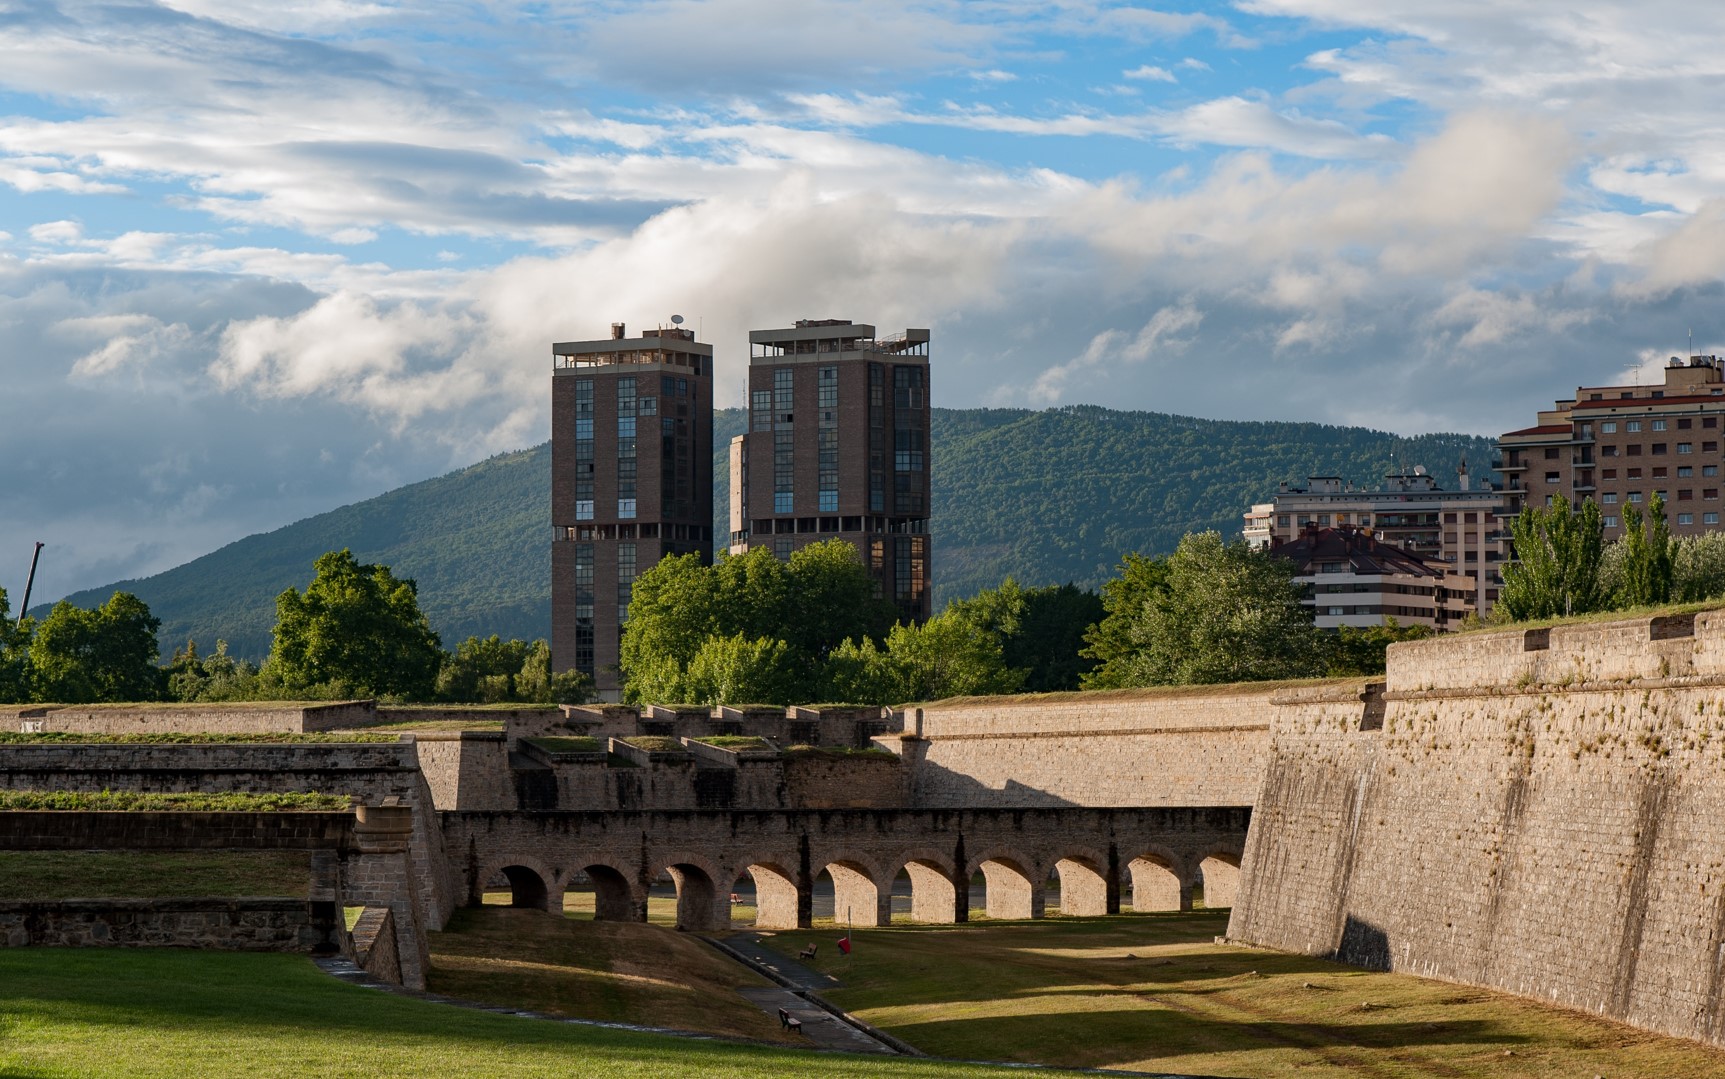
(1540, 811)
(1529, 810)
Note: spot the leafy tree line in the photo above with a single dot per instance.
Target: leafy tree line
(1221, 612)
(1564, 566)
(356, 631)
(750, 629)
(756, 629)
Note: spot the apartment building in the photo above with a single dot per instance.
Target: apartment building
(837, 447)
(1353, 578)
(1456, 530)
(1620, 444)
(631, 481)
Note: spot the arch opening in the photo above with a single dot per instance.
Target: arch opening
(933, 898)
(526, 888)
(1156, 886)
(1010, 891)
(613, 899)
(1083, 888)
(856, 899)
(700, 906)
(779, 903)
(1220, 873)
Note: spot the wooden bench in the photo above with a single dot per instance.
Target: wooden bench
(789, 1022)
(808, 953)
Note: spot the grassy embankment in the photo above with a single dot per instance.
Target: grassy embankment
(85, 874)
(1154, 993)
(167, 1014)
(613, 971)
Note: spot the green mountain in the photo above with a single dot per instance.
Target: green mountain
(1046, 497)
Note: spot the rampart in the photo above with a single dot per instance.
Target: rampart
(1176, 747)
(1536, 811)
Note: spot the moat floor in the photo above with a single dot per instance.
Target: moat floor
(1153, 992)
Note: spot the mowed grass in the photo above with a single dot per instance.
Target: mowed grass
(1154, 993)
(87, 874)
(614, 971)
(172, 1013)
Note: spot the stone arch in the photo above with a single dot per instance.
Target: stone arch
(615, 896)
(780, 903)
(1157, 883)
(519, 875)
(1083, 885)
(933, 893)
(527, 888)
(701, 906)
(857, 893)
(1012, 882)
(1220, 871)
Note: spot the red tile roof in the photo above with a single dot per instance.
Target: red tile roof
(1548, 429)
(1365, 555)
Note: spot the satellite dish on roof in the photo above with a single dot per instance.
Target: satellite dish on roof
(676, 320)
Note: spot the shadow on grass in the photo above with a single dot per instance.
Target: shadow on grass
(1132, 1036)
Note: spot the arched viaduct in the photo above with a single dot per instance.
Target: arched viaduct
(1099, 855)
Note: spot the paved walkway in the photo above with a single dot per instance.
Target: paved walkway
(796, 993)
(787, 970)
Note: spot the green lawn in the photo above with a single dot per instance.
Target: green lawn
(175, 1014)
(1155, 993)
(90, 874)
(616, 971)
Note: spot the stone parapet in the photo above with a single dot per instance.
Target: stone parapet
(253, 924)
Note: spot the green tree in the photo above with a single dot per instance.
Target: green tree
(215, 677)
(482, 669)
(1645, 577)
(1556, 571)
(537, 683)
(80, 656)
(1352, 651)
(14, 654)
(863, 672)
(818, 599)
(737, 670)
(1224, 613)
(355, 630)
(1113, 643)
(953, 654)
(1049, 643)
(1697, 568)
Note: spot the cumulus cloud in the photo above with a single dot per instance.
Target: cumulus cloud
(372, 235)
(1150, 72)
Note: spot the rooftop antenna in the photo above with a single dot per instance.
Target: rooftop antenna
(676, 320)
(29, 583)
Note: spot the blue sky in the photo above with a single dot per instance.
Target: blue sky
(261, 259)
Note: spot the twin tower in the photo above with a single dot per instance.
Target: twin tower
(836, 447)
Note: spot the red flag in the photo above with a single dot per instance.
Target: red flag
(845, 944)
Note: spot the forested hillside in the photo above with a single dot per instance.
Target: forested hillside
(1047, 497)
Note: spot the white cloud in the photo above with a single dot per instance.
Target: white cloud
(1150, 72)
(1156, 339)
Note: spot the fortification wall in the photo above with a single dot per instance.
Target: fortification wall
(1201, 747)
(286, 718)
(251, 924)
(1538, 813)
(372, 772)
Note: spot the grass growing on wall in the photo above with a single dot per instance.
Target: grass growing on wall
(733, 741)
(168, 1013)
(137, 802)
(11, 738)
(655, 743)
(575, 744)
(97, 874)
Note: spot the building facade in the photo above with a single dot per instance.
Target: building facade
(1353, 578)
(1620, 444)
(1457, 530)
(837, 448)
(631, 481)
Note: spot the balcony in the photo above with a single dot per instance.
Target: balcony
(1508, 466)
